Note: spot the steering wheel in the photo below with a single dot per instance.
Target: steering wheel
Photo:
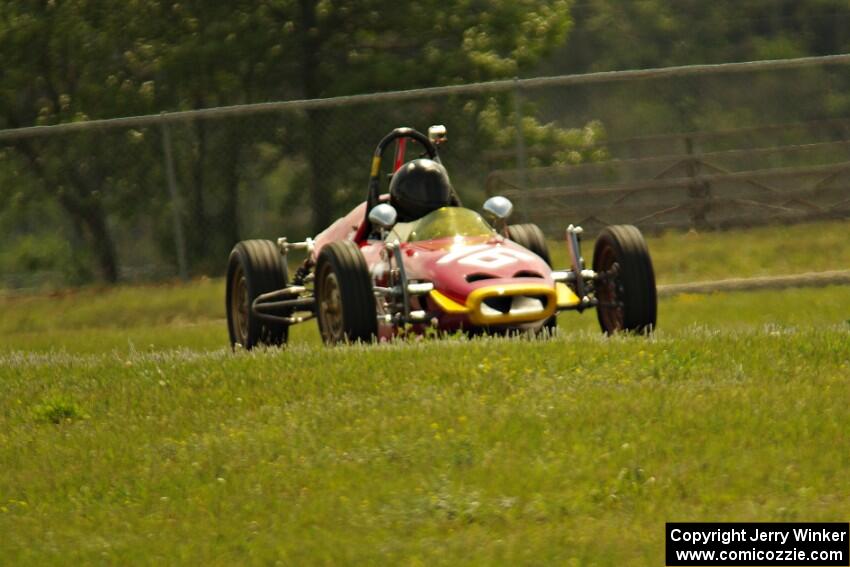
(375, 175)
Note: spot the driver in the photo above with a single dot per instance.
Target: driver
(419, 187)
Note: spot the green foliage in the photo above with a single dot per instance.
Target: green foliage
(67, 62)
(497, 129)
(72, 61)
(48, 257)
(58, 411)
(33, 254)
(365, 47)
(620, 34)
(612, 35)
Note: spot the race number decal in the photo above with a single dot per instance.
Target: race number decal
(486, 257)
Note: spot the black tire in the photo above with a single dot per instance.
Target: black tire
(622, 253)
(530, 237)
(345, 299)
(255, 267)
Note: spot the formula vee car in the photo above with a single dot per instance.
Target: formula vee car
(415, 259)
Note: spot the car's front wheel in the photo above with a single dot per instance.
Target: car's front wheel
(345, 299)
(625, 287)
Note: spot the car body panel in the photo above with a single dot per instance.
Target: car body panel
(480, 280)
(345, 228)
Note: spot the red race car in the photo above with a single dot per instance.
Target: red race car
(415, 259)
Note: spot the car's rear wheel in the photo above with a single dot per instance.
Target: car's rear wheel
(255, 267)
(345, 300)
(626, 285)
(530, 237)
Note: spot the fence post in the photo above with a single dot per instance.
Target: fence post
(699, 191)
(176, 205)
(520, 149)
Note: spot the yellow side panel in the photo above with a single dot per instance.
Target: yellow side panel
(566, 296)
(447, 304)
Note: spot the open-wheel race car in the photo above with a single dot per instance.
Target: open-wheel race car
(415, 259)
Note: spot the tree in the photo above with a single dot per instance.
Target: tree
(212, 55)
(66, 62)
(279, 49)
(621, 34)
(357, 47)
(76, 60)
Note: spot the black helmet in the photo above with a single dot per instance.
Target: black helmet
(419, 187)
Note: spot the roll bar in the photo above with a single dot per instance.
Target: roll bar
(375, 174)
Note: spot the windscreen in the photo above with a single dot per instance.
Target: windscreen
(449, 222)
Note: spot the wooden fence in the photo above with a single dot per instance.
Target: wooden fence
(693, 188)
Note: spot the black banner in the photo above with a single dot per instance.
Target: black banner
(816, 544)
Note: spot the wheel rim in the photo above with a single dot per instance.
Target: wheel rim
(239, 305)
(610, 291)
(330, 308)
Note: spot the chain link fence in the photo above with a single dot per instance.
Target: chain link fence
(156, 197)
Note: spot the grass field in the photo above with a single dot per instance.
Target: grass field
(129, 434)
